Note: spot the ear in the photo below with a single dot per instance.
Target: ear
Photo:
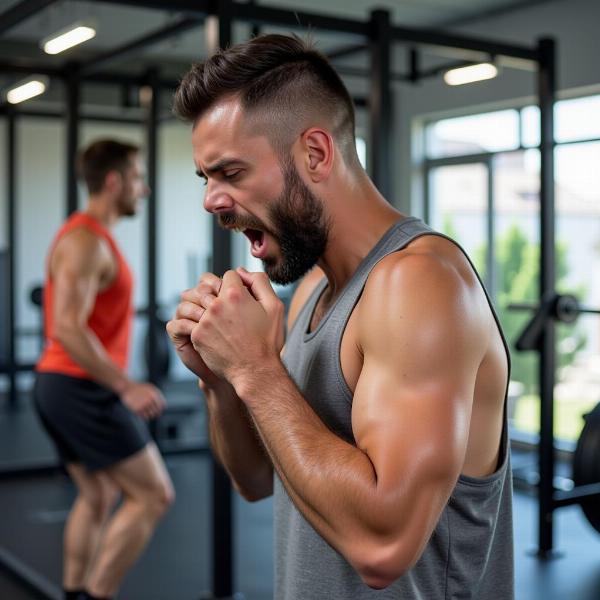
(113, 181)
(319, 152)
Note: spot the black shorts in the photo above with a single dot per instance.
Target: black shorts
(87, 422)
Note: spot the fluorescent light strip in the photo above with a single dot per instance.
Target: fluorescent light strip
(470, 74)
(67, 40)
(25, 91)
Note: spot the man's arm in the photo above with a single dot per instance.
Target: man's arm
(78, 264)
(377, 502)
(233, 437)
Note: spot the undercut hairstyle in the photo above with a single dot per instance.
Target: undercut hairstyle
(284, 86)
(99, 158)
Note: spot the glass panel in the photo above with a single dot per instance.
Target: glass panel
(458, 204)
(530, 126)
(516, 260)
(577, 119)
(578, 273)
(488, 132)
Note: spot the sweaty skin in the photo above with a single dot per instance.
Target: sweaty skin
(82, 265)
(421, 353)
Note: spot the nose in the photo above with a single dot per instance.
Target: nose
(217, 200)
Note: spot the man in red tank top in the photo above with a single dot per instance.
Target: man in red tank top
(94, 413)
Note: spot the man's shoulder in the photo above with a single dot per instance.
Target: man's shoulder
(80, 245)
(431, 269)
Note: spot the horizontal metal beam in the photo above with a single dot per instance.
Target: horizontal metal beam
(61, 114)
(143, 42)
(432, 37)
(346, 51)
(31, 67)
(263, 15)
(190, 7)
(577, 494)
(257, 15)
(20, 12)
(365, 73)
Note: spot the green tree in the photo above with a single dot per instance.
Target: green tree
(517, 262)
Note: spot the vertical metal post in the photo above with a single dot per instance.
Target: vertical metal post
(547, 363)
(73, 88)
(11, 223)
(380, 103)
(222, 530)
(152, 122)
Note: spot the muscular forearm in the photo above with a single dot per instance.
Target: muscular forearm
(236, 445)
(332, 482)
(84, 347)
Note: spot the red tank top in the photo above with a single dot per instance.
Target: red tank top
(110, 319)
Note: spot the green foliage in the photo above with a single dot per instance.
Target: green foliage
(517, 265)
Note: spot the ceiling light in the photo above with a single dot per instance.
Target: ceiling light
(469, 74)
(26, 89)
(67, 38)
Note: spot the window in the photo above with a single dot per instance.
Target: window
(491, 207)
(489, 132)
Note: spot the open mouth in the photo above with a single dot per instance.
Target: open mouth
(257, 242)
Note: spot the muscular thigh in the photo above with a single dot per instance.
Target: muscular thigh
(141, 474)
(96, 487)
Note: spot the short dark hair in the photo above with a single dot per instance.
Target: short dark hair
(101, 157)
(282, 78)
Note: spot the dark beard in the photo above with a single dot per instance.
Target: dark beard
(300, 228)
(127, 208)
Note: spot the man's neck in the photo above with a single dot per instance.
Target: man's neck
(360, 216)
(99, 208)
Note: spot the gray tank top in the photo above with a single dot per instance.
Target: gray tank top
(470, 553)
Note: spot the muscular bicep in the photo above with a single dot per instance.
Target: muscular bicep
(412, 401)
(78, 264)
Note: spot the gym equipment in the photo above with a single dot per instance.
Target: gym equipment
(586, 467)
(565, 308)
(162, 358)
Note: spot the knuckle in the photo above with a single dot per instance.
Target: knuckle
(233, 295)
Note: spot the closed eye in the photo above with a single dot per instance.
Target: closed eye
(232, 175)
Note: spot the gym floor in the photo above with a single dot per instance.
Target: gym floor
(176, 565)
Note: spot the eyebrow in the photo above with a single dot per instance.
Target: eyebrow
(219, 166)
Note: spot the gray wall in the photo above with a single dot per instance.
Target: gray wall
(184, 227)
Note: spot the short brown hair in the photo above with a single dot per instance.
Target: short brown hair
(282, 78)
(101, 157)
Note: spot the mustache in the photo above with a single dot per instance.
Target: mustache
(232, 220)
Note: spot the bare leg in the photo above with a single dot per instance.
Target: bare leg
(95, 499)
(147, 494)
